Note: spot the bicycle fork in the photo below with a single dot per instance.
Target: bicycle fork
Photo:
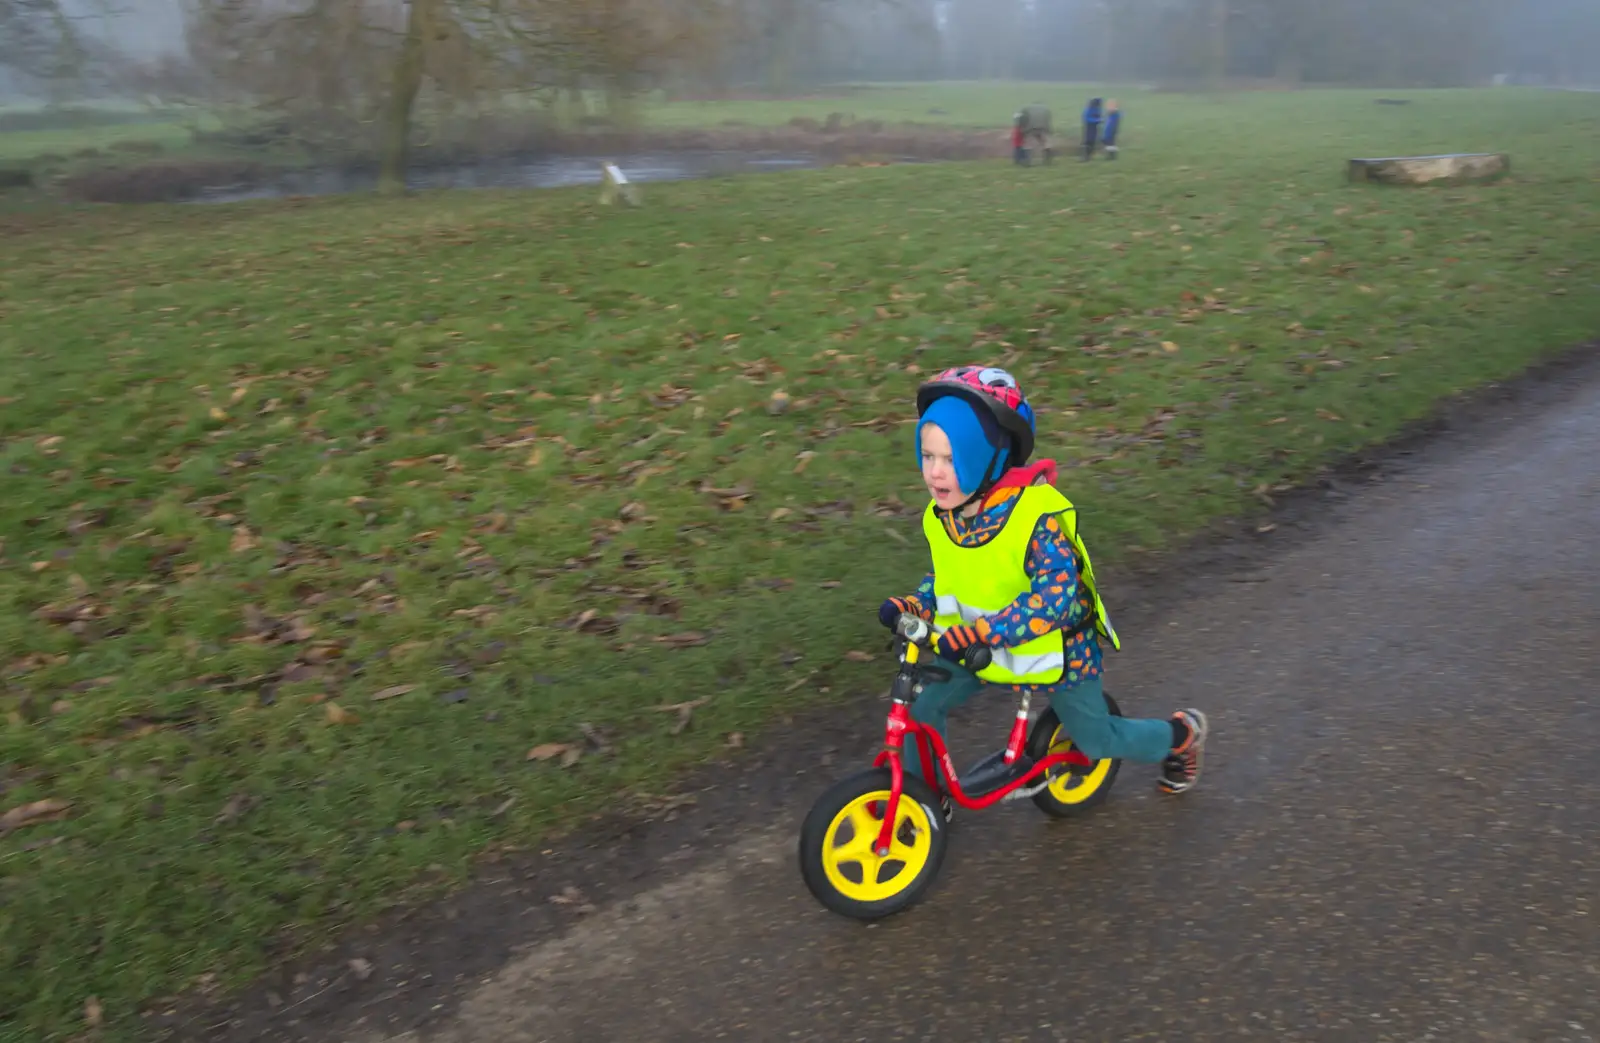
(1019, 729)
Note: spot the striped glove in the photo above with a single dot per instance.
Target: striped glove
(889, 612)
(953, 643)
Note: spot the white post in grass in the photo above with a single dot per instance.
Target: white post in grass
(615, 185)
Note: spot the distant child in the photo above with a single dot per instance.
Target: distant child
(1108, 137)
(1010, 571)
(1019, 153)
(1036, 127)
(1091, 128)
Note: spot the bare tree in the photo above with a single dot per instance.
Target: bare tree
(358, 70)
(40, 41)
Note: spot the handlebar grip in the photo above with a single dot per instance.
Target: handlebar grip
(978, 658)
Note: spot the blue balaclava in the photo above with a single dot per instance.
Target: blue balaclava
(974, 438)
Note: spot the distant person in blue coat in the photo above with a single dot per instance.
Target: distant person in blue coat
(1091, 127)
(1113, 123)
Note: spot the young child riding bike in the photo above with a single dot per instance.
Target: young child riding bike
(1011, 572)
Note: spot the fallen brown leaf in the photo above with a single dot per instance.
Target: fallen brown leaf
(232, 811)
(591, 622)
(549, 751)
(734, 499)
(859, 657)
(256, 620)
(361, 968)
(339, 715)
(597, 740)
(393, 691)
(688, 639)
(93, 1013)
(29, 814)
(685, 712)
(573, 897)
(735, 740)
(322, 652)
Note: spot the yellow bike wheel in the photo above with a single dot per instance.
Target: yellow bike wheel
(1073, 789)
(837, 858)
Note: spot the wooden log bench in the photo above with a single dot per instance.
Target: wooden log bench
(1427, 170)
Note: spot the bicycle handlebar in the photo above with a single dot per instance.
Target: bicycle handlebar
(919, 631)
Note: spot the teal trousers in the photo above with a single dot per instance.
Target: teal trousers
(1081, 708)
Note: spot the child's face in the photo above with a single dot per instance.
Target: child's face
(939, 469)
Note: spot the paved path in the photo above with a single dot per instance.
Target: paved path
(1398, 837)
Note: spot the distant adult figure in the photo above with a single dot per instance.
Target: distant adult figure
(1034, 121)
(1113, 123)
(1091, 127)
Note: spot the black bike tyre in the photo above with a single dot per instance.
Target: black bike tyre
(1044, 730)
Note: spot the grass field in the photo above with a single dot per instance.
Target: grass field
(1276, 122)
(320, 517)
(29, 144)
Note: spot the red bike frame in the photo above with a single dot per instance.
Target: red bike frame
(931, 748)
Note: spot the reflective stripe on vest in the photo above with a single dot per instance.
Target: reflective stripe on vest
(1012, 662)
(973, 581)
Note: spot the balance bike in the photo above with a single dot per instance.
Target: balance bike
(873, 843)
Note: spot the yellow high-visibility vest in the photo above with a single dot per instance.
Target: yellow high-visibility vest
(969, 582)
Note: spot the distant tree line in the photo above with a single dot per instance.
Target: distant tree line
(1356, 42)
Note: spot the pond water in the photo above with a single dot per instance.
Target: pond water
(545, 172)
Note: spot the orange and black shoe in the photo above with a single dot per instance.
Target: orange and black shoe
(1181, 770)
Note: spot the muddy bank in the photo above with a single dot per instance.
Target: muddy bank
(163, 182)
(510, 172)
(548, 160)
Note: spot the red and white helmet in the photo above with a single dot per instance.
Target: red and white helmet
(994, 391)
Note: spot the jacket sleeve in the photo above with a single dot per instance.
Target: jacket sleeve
(923, 601)
(1052, 568)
